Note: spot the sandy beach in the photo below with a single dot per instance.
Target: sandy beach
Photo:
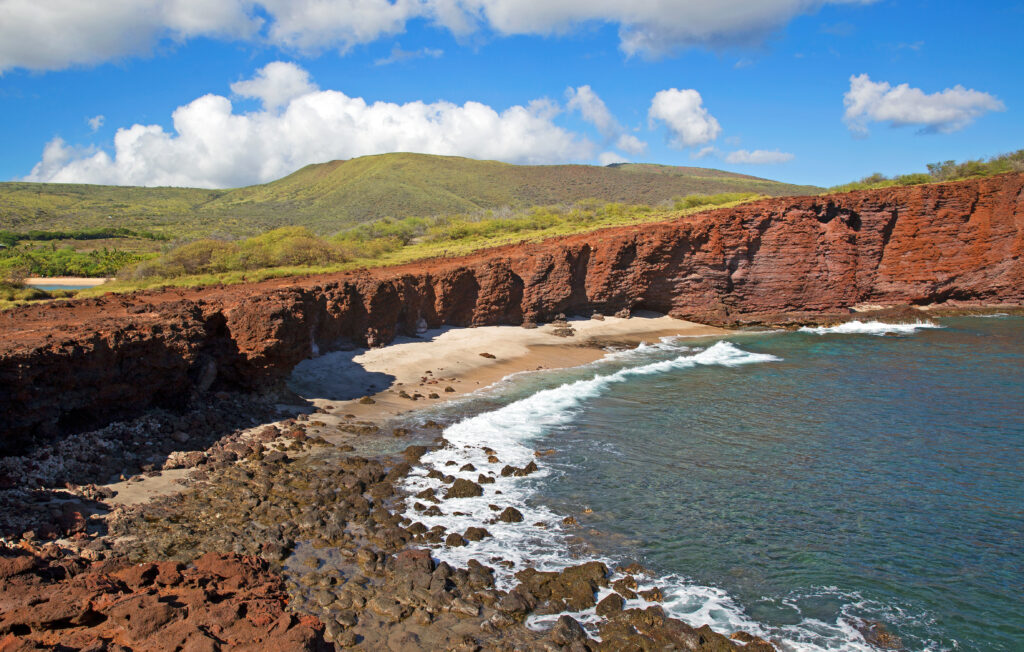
(448, 363)
(71, 281)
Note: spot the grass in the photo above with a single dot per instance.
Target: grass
(389, 242)
(15, 293)
(941, 172)
(331, 197)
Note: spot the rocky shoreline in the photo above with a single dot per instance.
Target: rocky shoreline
(262, 522)
(281, 540)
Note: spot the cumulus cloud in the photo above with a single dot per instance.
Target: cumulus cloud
(631, 144)
(683, 112)
(95, 122)
(595, 111)
(646, 27)
(758, 157)
(943, 112)
(276, 84)
(76, 32)
(213, 146)
(608, 158)
(59, 33)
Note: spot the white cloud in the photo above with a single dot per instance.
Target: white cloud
(59, 33)
(595, 111)
(631, 144)
(704, 151)
(758, 157)
(646, 27)
(212, 146)
(95, 122)
(945, 111)
(312, 25)
(77, 32)
(399, 55)
(682, 111)
(608, 158)
(276, 84)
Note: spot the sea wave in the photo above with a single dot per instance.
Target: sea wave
(869, 328)
(506, 435)
(485, 443)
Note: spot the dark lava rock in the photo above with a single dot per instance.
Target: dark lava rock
(567, 631)
(463, 488)
(511, 515)
(610, 604)
(414, 453)
(454, 540)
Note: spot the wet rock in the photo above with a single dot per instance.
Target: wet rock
(454, 540)
(510, 515)
(878, 635)
(653, 595)
(626, 587)
(612, 603)
(570, 589)
(476, 534)
(366, 400)
(463, 488)
(567, 631)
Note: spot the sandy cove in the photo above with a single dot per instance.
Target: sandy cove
(452, 358)
(247, 513)
(449, 362)
(70, 281)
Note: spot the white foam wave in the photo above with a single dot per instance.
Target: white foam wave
(869, 328)
(542, 541)
(505, 435)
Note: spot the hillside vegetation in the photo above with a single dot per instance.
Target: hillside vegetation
(295, 250)
(941, 171)
(329, 197)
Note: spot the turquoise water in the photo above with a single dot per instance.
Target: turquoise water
(848, 477)
(58, 287)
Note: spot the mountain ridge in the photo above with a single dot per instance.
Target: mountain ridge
(335, 195)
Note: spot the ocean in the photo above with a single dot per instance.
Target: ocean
(791, 484)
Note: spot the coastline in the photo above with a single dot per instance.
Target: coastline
(72, 281)
(251, 493)
(450, 359)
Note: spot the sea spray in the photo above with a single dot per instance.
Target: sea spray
(869, 328)
(484, 445)
(505, 435)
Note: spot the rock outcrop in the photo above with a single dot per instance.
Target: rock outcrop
(219, 601)
(69, 365)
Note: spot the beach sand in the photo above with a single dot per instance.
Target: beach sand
(450, 359)
(71, 281)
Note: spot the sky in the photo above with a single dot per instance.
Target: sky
(227, 93)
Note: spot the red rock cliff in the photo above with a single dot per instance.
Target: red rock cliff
(68, 365)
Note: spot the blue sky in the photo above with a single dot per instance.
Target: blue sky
(753, 87)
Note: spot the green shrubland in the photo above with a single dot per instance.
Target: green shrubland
(942, 171)
(297, 250)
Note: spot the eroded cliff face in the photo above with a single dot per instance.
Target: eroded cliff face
(69, 365)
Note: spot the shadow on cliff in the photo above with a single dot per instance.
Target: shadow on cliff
(336, 376)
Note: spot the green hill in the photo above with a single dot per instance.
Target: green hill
(332, 196)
